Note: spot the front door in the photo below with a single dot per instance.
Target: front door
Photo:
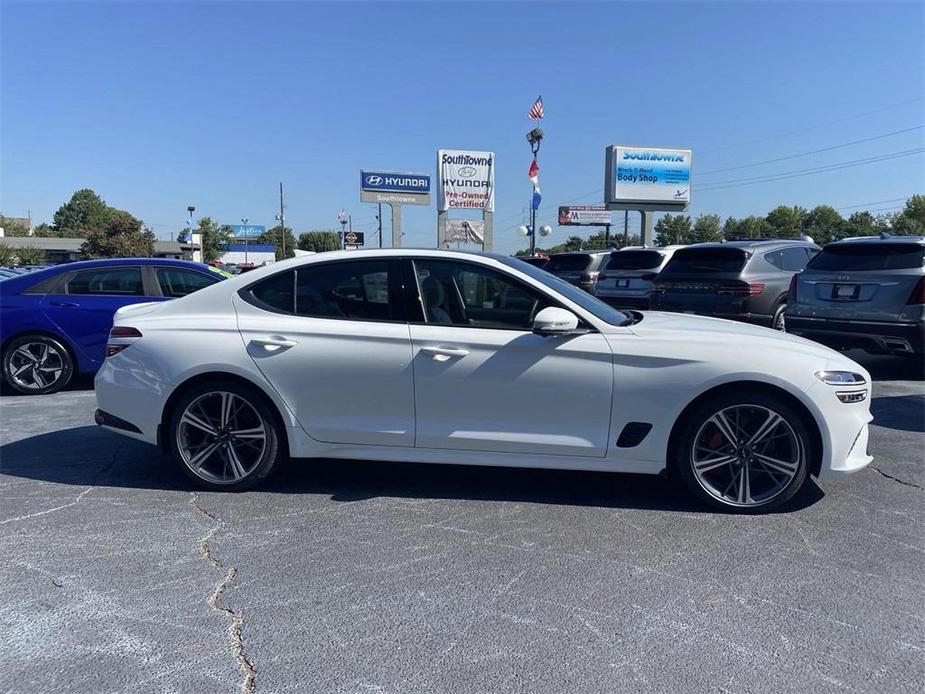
(483, 381)
(332, 340)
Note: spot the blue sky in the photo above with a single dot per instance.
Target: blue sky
(161, 105)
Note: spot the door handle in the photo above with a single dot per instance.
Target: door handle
(273, 342)
(64, 304)
(445, 351)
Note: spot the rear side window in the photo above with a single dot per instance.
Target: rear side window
(868, 256)
(121, 281)
(634, 260)
(705, 260)
(175, 282)
(353, 290)
(568, 263)
(789, 259)
(276, 293)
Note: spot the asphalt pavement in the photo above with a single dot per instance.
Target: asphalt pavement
(374, 577)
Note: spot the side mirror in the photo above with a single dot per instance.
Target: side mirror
(555, 321)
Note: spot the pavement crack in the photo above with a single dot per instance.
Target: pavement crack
(236, 618)
(48, 510)
(895, 479)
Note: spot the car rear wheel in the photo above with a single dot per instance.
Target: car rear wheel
(745, 453)
(780, 318)
(37, 365)
(223, 435)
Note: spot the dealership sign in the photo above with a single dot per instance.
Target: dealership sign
(394, 187)
(585, 215)
(249, 231)
(648, 175)
(466, 180)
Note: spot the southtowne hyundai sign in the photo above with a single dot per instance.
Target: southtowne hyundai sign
(394, 187)
(466, 180)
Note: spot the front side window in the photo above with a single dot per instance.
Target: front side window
(175, 282)
(356, 290)
(468, 295)
(121, 281)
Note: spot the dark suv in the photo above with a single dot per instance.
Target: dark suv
(740, 280)
(580, 268)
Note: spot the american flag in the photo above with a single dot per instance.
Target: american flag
(536, 112)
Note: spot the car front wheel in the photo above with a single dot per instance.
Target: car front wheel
(224, 437)
(744, 453)
(37, 365)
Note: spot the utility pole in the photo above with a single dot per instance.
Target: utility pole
(379, 219)
(626, 228)
(244, 223)
(282, 219)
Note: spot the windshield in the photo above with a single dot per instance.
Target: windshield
(868, 256)
(705, 260)
(589, 303)
(576, 262)
(634, 260)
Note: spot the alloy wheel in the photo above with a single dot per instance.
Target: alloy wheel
(221, 437)
(746, 455)
(35, 366)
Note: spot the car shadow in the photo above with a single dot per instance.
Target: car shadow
(90, 456)
(81, 382)
(902, 412)
(890, 368)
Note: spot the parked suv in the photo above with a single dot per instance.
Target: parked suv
(740, 280)
(579, 268)
(626, 279)
(863, 292)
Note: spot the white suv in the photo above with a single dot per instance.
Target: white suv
(626, 280)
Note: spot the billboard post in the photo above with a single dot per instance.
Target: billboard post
(648, 180)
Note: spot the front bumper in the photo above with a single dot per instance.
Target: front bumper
(877, 337)
(843, 427)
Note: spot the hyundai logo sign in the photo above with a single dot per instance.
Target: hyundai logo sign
(394, 182)
(466, 171)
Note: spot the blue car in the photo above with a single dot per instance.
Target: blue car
(54, 323)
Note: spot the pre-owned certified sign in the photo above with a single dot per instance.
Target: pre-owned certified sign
(467, 180)
(394, 182)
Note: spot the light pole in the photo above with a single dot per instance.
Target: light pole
(282, 220)
(244, 229)
(189, 230)
(534, 137)
(342, 218)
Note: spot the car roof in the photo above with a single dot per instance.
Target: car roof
(30, 278)
(887, 238)
(755, 244)
(595, 252)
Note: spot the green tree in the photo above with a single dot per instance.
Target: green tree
(911, 221)
(673, 229)
(29, 255)
(44, 230)
(12, 227)
(214, 238)
(865, 224)
(598, 241)
(319, 241)
(750, 227)
(825, 224)
(273, 236)
(786, 221)
(84, 212)
(121, 236)
(7, 255)
(706, 228)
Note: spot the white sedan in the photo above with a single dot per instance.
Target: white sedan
(453, 357)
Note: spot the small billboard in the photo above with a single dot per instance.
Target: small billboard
(247, 231)
(585, 216)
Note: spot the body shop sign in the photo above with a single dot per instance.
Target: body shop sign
(467, 180)
(649, 175)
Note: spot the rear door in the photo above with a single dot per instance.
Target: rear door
(84, 305)
(331, 338)
(863, 281)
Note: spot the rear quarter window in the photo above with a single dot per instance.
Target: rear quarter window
(860, 257)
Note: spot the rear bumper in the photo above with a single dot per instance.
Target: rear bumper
(877, 337)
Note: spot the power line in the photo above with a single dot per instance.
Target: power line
(875, 202)
(733, 183)
(815, 151)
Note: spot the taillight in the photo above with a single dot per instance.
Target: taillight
(792, 294)
(601, 276)
(741, 289)
(918, 294)
(589, 276)
(121, 332)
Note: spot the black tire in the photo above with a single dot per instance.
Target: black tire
(791, 441)
(779, 320)
(48, 365)
(216, 471)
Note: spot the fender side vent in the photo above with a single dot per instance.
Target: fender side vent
(633, 434)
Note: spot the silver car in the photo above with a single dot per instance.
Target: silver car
(580, 268)
(863, 292)
(626, 279)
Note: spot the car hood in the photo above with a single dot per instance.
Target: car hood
(732, 336)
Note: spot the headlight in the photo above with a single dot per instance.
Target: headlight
(841, 378)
